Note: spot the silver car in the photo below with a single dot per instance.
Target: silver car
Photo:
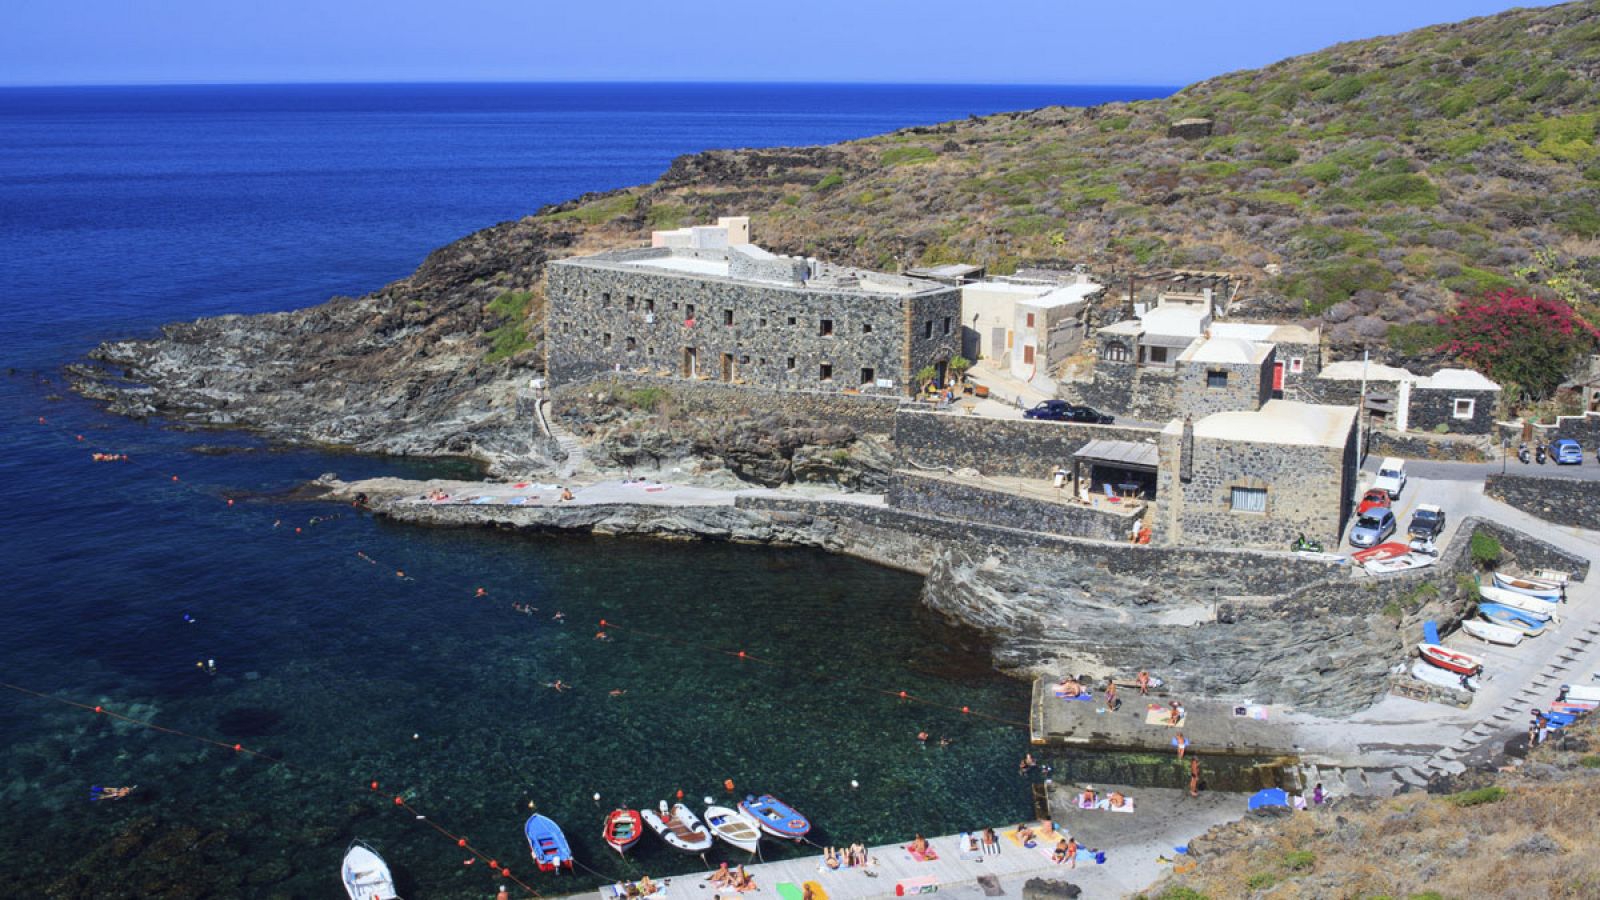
(1373, 527)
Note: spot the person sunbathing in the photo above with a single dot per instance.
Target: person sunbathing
(1060, 854)
(919, 844)
(1087, 798)
(646, 886)
(110, 793)
(1118, 801)
(1175, 714)
(1071, 687)
(743, 881)
(1024, 834)
(830, 859)
(721, 876)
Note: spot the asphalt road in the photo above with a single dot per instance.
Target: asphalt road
(1589, 470)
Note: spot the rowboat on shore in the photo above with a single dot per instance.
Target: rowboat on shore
(1544, 609)
(1404, 563)
(775, 817)
(1553, 576)
(1544, 590)
(623, 829)
(1422, 671)
(1492, 633)
(1450, 660)
(548, 844)
(679, 828)
(733, 827)
(1525, 622)
(366, 876)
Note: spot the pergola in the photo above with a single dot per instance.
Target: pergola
(1129, 466)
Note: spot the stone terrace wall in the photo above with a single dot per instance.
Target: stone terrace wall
(1421, 445)
(1584, 429)
(1564, 501)
(1019, 448)
(866, 413)
(943, 497)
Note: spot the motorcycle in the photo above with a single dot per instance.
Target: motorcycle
(1522, 453)
(1538, 452)
(1302, 544)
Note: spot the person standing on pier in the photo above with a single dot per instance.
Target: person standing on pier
(1194, 776)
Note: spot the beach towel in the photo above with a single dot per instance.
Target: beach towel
(1083, 696)
(657, 488)
(1127, 805)
(788, 890)
(1157, 715)
(817, 892)
(520, 485)
(518, 501)
(1011, 836)
(1259, 713)
(483, 499)
(923, 855)
(969, 847)
(990, 885)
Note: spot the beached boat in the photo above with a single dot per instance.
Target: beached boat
(679, 828)
(366, 875)
(623, 829)
(1544, 590)
(1404, 563)
(1422, 671)
(733, 827)
(1553, 576)
(1492, 633)
(1541, 608)
(1387, 550)
(1450, 660)
(775, 817)
(548, 844)
(1527, 623)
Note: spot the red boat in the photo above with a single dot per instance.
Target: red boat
(623, 829)
(1450, 660)
(1382, 551)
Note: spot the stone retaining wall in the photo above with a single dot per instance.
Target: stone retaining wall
(955, 500)
(865, 413)
(1562, 501)
(1449, 447)
(1016, 448)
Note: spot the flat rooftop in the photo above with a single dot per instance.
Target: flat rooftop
(1282, 422)
(761, 267)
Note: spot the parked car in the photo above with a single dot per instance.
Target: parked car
(1373, 528)
(1566, 452)
(1427, 523)
(1062, 411)
(1391, 477)
(1373, 499)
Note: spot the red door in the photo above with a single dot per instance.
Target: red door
(1277, 377)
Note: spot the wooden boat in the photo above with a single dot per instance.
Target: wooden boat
(1506, 617)
(1386, 550)
(1552, 576)
(366, 876)
(1450, 660)
(775, 817)
(1404, 563)
(1544, 609)
(733, 827)
(1422, 671)
(1541, 589)
(679, 828)
(1492, 633)
(623, 829)
(548, 844)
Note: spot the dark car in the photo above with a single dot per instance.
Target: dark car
(1062, 411)
(1427, 523)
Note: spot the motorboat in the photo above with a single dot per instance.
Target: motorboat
(1387, 550)
(733, 827)
(1450, 660)
(366, 876)
(1527, 623)
(1544, 590)
(678, 827)
(1492, 633)
(775, 817)
(548, 844)
(1544, 609)
(623, 829)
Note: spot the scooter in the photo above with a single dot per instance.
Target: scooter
(1522, 453)
(1538, 452)
(1302, 544)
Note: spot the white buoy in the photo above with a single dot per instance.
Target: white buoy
(709, 801)
(854, 783)
(597, 796)
(416, 736)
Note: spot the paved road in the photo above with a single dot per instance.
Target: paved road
(1456, 471)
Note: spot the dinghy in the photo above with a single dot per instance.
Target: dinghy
(1541, 589)
(1544, 609)
(1492, 633)
(679, 828)
(1404, 563)
(1553, 576)
(366, 875)
(623, 829)
(1504, 616)
(734, 827)
(548, 844)
(1424, 672)
(1450, 660)
(775, 817)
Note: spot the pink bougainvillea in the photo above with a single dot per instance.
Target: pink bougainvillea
(1527, 341)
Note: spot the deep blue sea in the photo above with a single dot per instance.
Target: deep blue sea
(125, 208)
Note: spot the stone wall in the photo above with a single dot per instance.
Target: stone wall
(1563, 501)
(957, 500)
(674, 324)
(1125, 389)
(1432, 408)
(1248, 386)
(1421, 445)
(1585, 429)
(864, 413)
(1018, 448)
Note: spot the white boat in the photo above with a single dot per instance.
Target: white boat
(734, 827)
(1544, 590)
(1421, 671)
(1553, 576)
(366, 875)
(1544, 609)
(1404, 563)
(679, 827)
(1508, 619)
(1492, 633)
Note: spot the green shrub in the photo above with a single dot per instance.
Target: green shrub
(1406, 190)
(1485, 549)
(1590, 762)
(1299, 860)
(1177, 892)
(1260, 881)
(1479, 796)
(1325, 171)
(648, 399)
(1342, 91)
(900, 156)
(830, 181)
(512, 336)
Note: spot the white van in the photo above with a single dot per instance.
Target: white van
(1391, 477)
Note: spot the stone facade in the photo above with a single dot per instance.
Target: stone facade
(1204, 387)
(742, 315)
(951, 499)
(1126, 389)
(1015, 448)
(714, 401)
(1459, 411)
(1562, 501)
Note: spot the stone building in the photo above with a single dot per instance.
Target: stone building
(1461, 400)
(689, 308)
(1257, 478)
(1027, 326)
(1221, 374)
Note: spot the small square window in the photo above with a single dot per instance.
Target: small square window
(1464, 408)
(1252, 500)
(605, 298)
(1297, 364)
(825, 372)
(727, 317)
(605, 338)
(826, 327)
(1216, 379)
(650, 304)
(630, 344)
(688, 310)
(866, 327)
(791, 320)
(868, 377)
(790, 364)
(763, 321)
(744, 359)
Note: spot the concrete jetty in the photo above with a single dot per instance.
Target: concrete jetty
(1211, 727)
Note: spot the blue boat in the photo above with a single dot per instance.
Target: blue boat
(775, 817)
(1525, 622)
(548, 844)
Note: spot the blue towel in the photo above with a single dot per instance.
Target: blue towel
(1430, 632)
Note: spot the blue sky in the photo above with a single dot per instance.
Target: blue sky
(1166, 42)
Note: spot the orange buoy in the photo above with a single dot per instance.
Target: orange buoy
(230, 501)
(237, 747)
(680, 793)
(297, 529)
(741, 654)
(174, 478)
(461, 842)
(494, 864)
(99, 709)
(902, 695)
(965, 710)
(399, 801)
(728, 783)
(374, 785)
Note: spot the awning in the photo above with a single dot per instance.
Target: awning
(1124, 454)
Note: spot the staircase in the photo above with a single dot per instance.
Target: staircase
(569, 448)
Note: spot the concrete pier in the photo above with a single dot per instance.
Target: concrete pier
(1211, 727)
